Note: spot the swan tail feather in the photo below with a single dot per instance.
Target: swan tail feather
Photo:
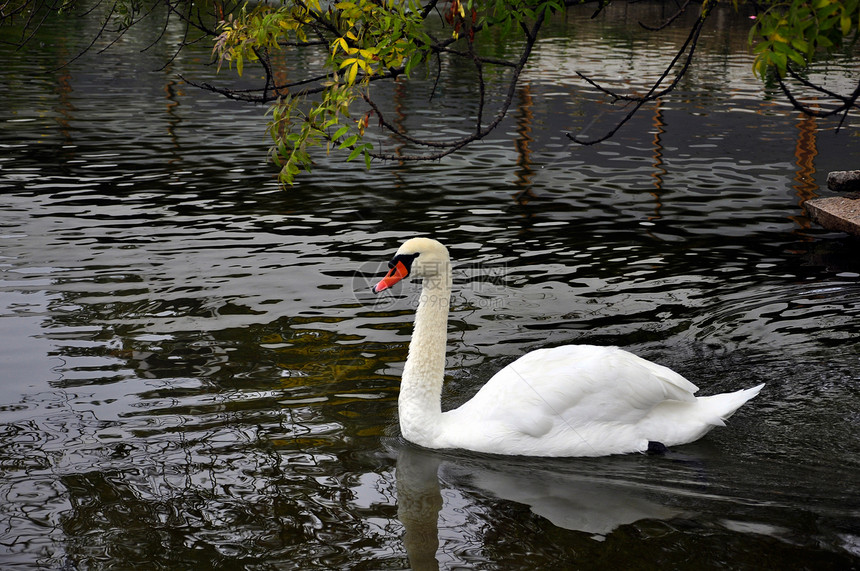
(674, 423)
(725, 405)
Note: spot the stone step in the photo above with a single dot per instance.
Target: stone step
(838, 213)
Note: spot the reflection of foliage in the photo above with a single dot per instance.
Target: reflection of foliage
(216, 460)
(352, 44)
(198, 510)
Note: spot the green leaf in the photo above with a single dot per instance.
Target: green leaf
(780, 61)
(355, 152)
(797, 58)
(349, 142)
(845, 23)
(800, 45)
(782, 47)
(340, 133)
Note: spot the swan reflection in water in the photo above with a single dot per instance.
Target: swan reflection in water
(594, 505)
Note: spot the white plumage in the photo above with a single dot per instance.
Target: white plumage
(574, 400)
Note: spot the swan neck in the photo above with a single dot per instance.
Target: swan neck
(419, 404)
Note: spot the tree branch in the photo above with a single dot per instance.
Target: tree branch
(668, 21)
(449, 147)
(689, 47)
(847, 102)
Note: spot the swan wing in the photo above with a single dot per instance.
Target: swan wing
(573, 387)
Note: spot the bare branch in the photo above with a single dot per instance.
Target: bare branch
(668, 22)
(449, 147)
(98, 35)
(847, 102)
(481, 88)
(688, 48)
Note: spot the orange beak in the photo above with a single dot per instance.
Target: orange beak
(397, 273)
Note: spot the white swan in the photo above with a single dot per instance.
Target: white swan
(574, 400)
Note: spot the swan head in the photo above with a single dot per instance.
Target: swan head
(419, 257)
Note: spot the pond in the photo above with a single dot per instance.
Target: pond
(195, 375)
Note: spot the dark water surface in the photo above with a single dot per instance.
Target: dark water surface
(194, 375)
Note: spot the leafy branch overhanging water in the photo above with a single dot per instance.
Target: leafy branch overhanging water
(355, 44)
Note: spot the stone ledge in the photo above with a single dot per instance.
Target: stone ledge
(839, 213)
